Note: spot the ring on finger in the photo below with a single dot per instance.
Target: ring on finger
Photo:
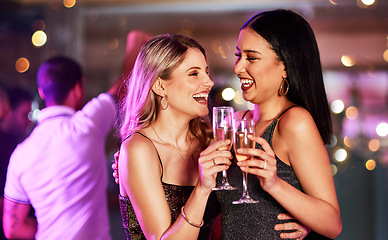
(214, 162)
(300, 234)
(265, 166)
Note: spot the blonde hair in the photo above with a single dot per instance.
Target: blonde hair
(157, 58)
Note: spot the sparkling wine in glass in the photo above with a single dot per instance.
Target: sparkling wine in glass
(223, 129)
(242, 128)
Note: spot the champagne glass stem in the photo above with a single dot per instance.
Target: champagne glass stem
(245, 185)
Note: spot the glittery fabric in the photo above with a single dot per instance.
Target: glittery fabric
(253, 221)
(176, 197)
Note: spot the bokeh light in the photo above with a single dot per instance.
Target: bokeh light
(22, 65)
(333, 141)
(368, 2)
(382, 129)
(385, 55)
(340, 155)
(337, 106)
(38, 25)
(348, 141)
(238, 98)
(370, 164)
(352, 113)
(69, 3)
(228, 94)
(39, 38)
(374, 145)
(334, 169)
(113, 44)
(333, 2)
(348, 61)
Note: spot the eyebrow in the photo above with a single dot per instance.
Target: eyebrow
(197, 68)
(249, 51)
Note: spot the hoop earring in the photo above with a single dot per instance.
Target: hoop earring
(282, 91)
(161, 104)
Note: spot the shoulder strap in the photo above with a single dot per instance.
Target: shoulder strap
(243, 116)
(160, 160)
(285, 111)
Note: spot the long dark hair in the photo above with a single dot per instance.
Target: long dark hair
(293, 41)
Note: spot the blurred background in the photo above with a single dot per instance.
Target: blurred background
(352, 36)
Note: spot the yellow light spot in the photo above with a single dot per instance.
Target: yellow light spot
(352, 113)
(348, 141)
(348, 61)
(370, 164)
(22, 65)
(69, 3)
(39, 38)
(374, 145)
(385, 55)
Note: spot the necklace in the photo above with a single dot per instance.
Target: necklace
(176, 148)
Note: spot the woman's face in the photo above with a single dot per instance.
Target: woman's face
(188, 88)
(258, 68)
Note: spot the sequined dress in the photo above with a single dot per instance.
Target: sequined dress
(254, 221)
(176, 197)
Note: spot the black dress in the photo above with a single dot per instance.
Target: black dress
(254, 221)
(176, 197)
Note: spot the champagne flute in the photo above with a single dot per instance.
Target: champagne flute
(223, 129)
(242, 128)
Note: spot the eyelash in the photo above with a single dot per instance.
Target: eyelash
(194, 74)
(238, 55)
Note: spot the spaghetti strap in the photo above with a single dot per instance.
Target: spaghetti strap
(160, 160)
(285, 111)
(243, 116)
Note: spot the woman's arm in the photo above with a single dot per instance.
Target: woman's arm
(302, 146)
(140, 173)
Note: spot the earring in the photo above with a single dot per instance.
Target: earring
(284, 90)
(161, 104)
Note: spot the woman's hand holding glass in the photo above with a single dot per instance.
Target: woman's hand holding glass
(222, 123)
(214, 159)
(263, 164)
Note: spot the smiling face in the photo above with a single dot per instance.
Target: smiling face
(258, 67)
(188, 88)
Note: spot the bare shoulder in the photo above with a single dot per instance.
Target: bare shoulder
(297, 121)
(138, 147)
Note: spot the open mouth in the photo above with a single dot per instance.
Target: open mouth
(246, 84)
(201, 97)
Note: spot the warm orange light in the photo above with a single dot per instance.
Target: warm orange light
(374, 145)
(370, 164)
(22, 65)
(39, 38)
(69, 3)
(348, 141)
(348, 61)
(352, 112)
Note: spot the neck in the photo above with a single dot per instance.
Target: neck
(172, 130)
(270, 111)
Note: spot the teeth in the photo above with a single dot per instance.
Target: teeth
(201, 95)
(246, 81)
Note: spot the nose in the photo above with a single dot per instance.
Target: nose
(238, 67)
(208, 82)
